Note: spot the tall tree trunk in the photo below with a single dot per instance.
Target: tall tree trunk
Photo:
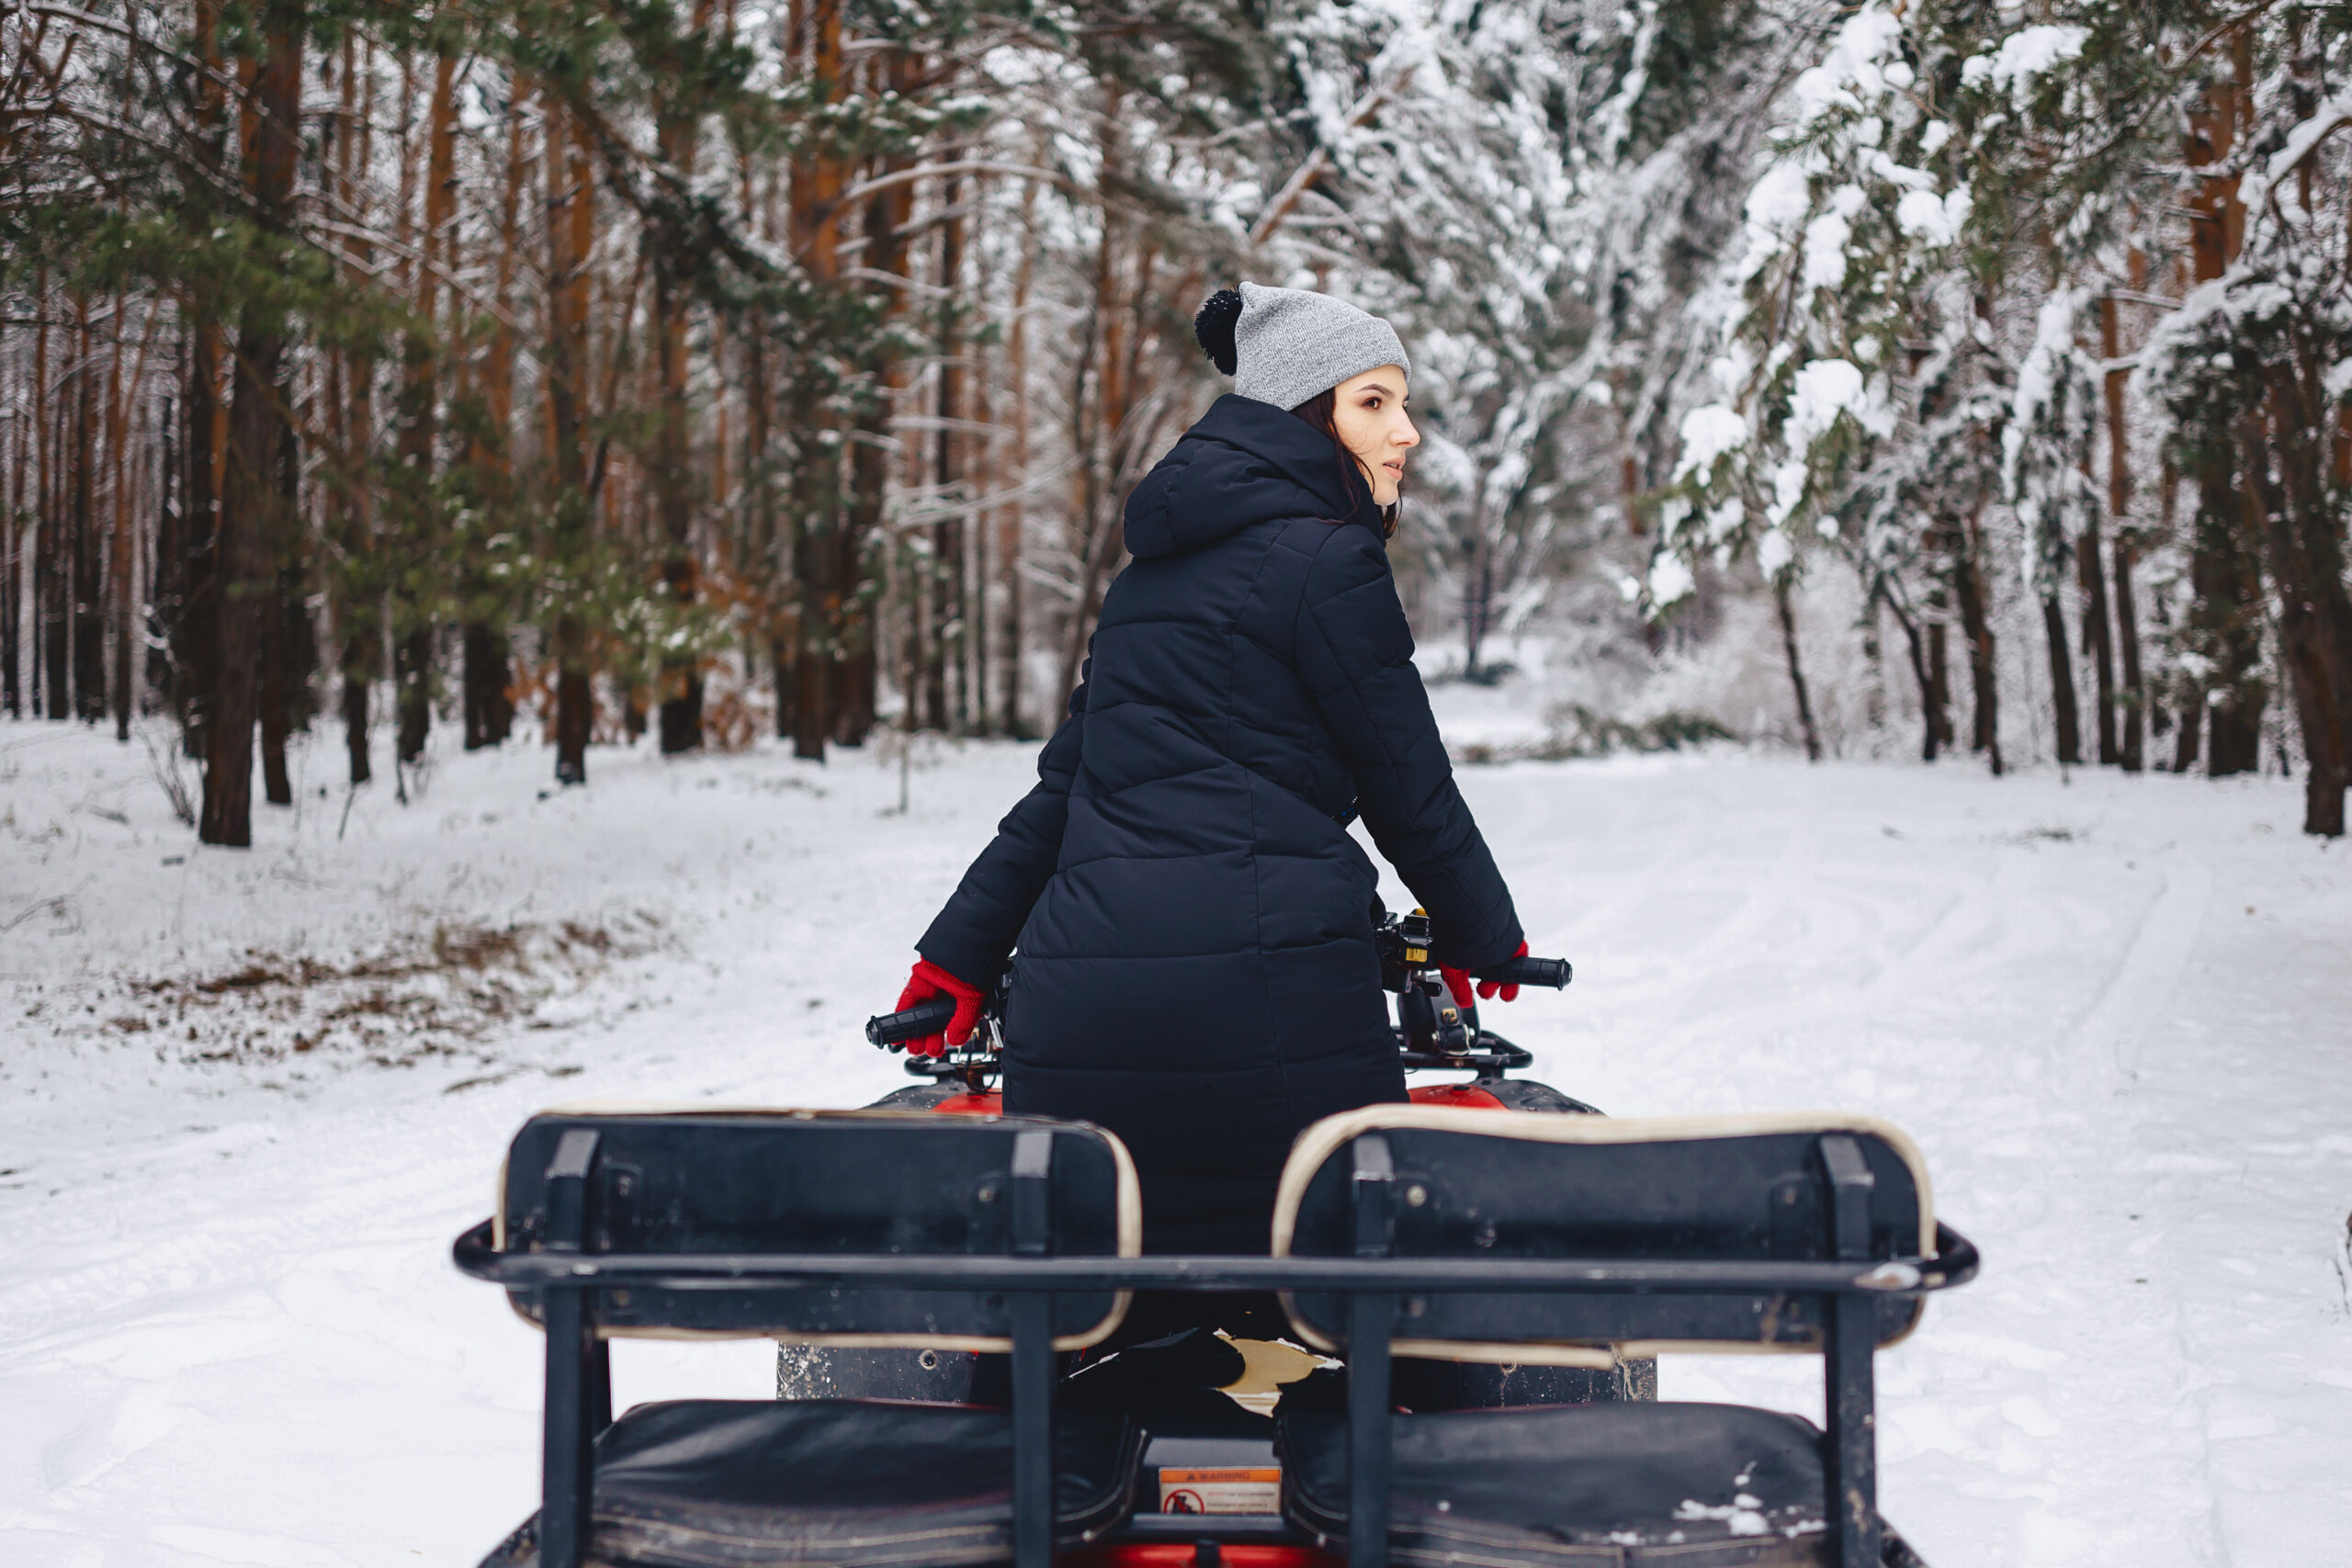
(1940, 685)
(196, 628)
(943, 708)
(1014, 519)
(252, 499)
(118, 553)
(2303, 538)
(1097, 422)
(2130, 751)
(1478, 583)
(819, 178)
(57, 538)
(164, 583)
(981, 478)
(44, 523)
(888, 216)
(282, 628)
(2225, 615)
(676, 133)
(357, 590)
(414, 609)
(2302, 639)
(1780, 601)
(12, 541)
(88, 589)
(572, 231)
(2090, 564)
(489, 656)
(1968, 588)
(196, 639)
(2062, 681)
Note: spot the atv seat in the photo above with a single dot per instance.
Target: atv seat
(850, 1483)
(1700, 1220)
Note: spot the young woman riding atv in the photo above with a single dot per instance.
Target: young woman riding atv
(1190, 923)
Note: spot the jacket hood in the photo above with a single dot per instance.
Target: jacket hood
(1245, 463)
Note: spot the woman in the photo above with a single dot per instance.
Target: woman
(1196, 967)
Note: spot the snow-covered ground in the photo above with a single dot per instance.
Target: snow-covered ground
(248, 1099)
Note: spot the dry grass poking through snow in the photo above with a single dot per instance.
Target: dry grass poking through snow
(443, 993)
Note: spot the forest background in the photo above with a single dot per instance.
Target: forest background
(692, 369)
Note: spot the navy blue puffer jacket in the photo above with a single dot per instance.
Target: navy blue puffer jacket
(1195, 968)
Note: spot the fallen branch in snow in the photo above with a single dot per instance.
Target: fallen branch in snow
(55, 906)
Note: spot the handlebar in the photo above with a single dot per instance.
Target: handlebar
(916, 1023)
(933, 1017)
(1554, 973)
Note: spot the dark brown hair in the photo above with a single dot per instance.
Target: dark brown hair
(1322, 411)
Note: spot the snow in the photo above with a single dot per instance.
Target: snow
(1824, 389)
(1708, 433)
(2325, 121)
(2110, 1010)
(2024, 55)
(1825, 241)
(1938, 219)
(1853, 71)
(1670, 579)
(1776, 204)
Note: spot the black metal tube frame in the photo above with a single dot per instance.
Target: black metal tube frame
(1954, 1263)
(578, 1399)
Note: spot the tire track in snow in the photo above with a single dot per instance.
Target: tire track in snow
(2111, 1030)
(2118, 1375)
(2095, 1066)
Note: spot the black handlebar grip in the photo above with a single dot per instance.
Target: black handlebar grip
(1524, 971)
(917, 1023)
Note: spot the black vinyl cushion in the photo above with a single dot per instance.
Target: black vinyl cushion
(1197, 970)
(1693, 1485)
(855, 1483)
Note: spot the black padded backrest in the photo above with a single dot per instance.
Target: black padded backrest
(836, 1182)
(1488, 1184)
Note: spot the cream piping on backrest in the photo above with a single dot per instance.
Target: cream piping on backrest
(1320, 1141)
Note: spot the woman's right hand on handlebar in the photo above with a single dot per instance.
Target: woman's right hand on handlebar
(1461, 983)
(930, 980)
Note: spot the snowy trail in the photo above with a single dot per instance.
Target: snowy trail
(2114, 1012)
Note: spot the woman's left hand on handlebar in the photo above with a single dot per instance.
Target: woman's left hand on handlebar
(930, 980)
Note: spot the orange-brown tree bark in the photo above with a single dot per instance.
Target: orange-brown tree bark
(678, 135)
(819, 178)
(252, 499)
(2225, 573)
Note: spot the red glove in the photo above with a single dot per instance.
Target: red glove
(930, 980)
(1509, 993)
(1458, 982)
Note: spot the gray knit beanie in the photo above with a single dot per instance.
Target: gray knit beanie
(1284, 345)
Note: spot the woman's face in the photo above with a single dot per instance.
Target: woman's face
(1368, 412)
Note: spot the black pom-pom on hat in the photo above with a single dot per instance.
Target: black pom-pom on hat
(1214, 327)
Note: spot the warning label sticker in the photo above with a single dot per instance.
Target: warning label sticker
(1230, 1491)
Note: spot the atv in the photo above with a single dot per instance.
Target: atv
(1448, 1357)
